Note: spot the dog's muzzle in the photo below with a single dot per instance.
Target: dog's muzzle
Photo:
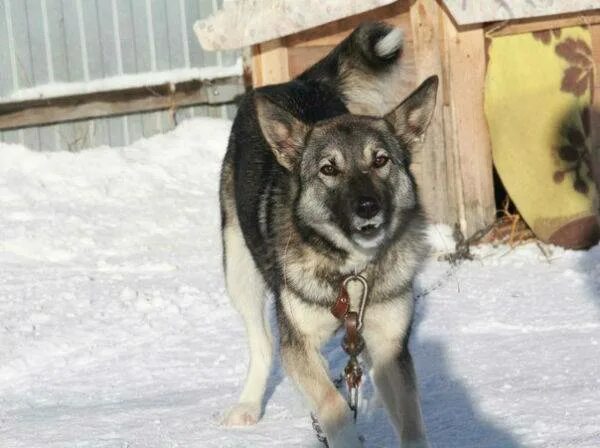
(368, 233)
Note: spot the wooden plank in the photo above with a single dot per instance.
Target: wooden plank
(473, 174)
(256, 64)
(103, 104)
(300, 58)
(542, 23)
(435, 157)
(270, 63)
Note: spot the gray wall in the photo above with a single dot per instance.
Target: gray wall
(45, 41)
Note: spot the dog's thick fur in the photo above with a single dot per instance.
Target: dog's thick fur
(311, 194)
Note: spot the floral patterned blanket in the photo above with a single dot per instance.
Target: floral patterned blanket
(538, 99)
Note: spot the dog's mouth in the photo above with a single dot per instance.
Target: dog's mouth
(368, 233)
(368, 229)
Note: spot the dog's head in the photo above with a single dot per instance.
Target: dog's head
(354, 184)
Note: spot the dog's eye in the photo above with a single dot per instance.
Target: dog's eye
(380, 161)
(329, 170)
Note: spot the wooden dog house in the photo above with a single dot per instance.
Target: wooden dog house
(444, 37)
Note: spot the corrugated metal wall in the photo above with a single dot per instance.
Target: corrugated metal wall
(46, 41)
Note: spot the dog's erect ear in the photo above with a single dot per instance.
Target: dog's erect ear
(284, 132)
(411, 118)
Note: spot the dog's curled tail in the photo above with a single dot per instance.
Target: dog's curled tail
(363, 68)
(380, 44)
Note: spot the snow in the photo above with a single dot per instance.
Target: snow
(120, 82)
(115, 330)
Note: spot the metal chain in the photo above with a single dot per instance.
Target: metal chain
(440, 282)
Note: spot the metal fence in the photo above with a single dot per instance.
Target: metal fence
(60, 41)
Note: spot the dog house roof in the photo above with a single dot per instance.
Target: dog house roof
(477, 11)
(247, 22)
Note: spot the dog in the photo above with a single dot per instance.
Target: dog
(316, 186)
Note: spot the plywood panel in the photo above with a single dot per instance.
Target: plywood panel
(300, 58)
(435, 156)
(465, 69)
(270, 64)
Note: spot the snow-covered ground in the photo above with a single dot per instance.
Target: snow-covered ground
(115, 330)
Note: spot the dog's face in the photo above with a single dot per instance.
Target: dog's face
(354, 181)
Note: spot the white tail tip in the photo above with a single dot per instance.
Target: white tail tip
(389, 44)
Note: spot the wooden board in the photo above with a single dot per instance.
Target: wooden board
(104, 104)
(457, 181)
(465, 70)
(270, 63)
(300, 58)
(519, 26)
(437, 187)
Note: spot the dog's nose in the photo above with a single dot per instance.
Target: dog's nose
(367, 207)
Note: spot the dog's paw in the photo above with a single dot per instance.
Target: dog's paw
(242, 414)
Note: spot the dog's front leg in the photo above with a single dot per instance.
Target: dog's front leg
(386, 331)
(303, 329)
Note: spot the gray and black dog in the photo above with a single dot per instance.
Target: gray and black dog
(314, 190)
